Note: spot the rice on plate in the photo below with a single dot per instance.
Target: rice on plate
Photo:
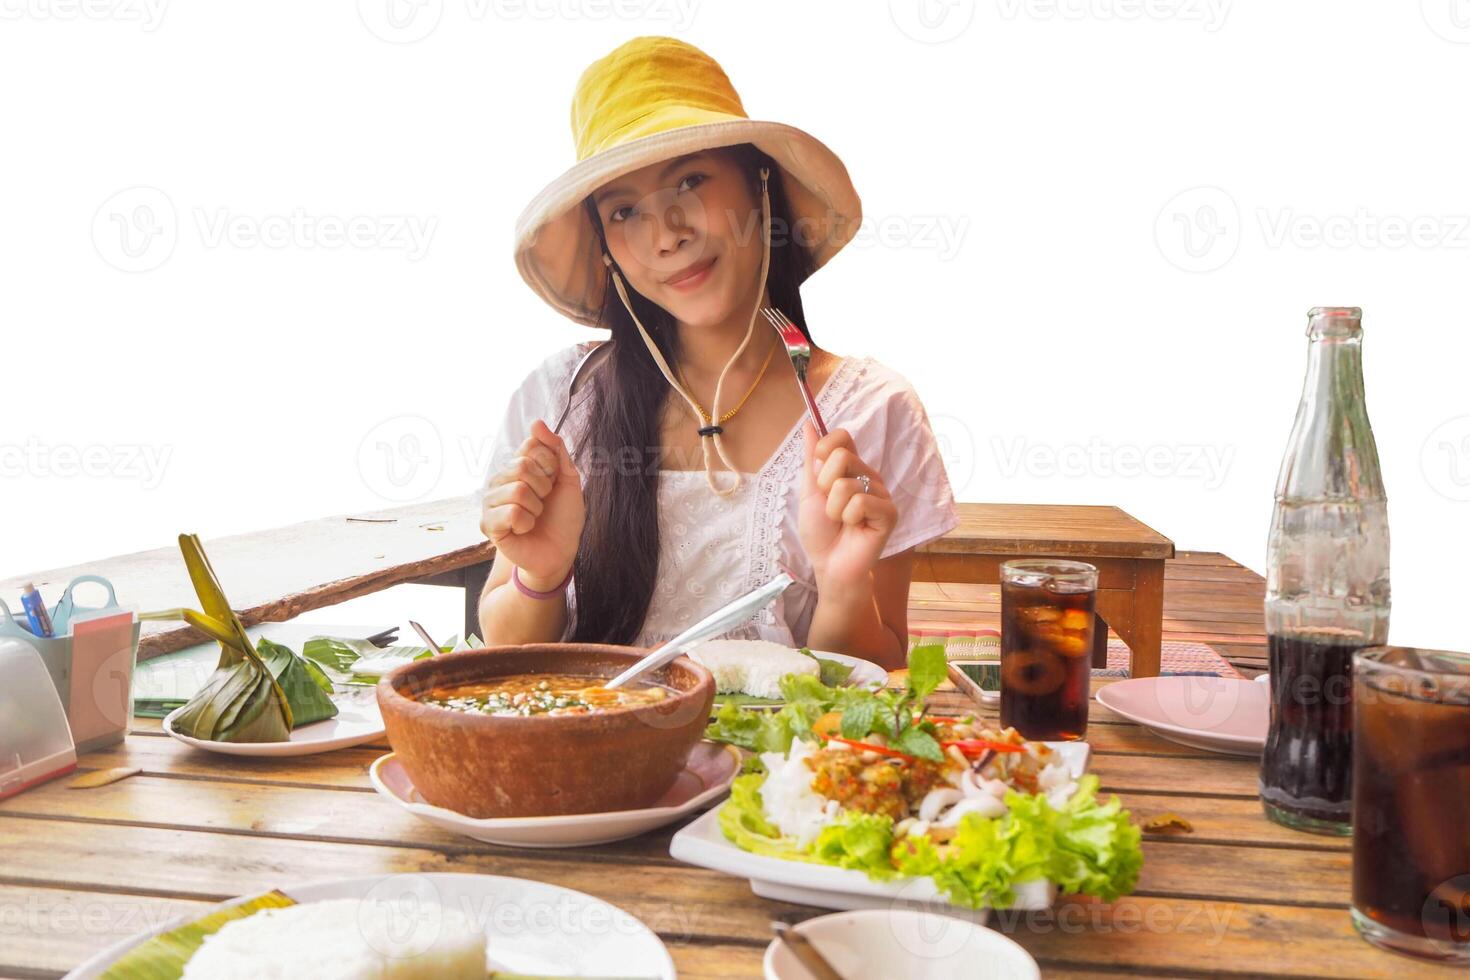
(753, 667)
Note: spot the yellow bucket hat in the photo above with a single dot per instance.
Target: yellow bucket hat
(650, 100)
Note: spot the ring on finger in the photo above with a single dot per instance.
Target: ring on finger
(865, 481)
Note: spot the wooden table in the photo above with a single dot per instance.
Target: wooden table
(1129, 556)
(80, 869)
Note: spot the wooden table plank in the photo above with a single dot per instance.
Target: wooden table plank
(1047, 529)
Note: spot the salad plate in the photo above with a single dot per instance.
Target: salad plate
(357, 721)
(531, 927)
(705, 778)
(1217, 714)
(703, 843)
(859, 799)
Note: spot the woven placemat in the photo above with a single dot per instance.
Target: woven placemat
(1175, 658)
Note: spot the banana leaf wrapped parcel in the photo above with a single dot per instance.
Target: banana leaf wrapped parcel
(254, 695)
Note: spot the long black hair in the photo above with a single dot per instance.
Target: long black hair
(617, 562)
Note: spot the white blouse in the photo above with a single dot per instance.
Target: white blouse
(713, 549)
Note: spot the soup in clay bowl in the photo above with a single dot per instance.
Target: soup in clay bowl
(528, 731)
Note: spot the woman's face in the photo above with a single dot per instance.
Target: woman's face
(686, 234)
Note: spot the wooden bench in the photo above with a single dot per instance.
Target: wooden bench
(1129, 556)
(272, 576)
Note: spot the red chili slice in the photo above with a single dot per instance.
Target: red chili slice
(866, 747)
(968, 745)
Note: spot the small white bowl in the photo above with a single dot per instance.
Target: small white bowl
(881, 944)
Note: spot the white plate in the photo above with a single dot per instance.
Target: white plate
(1217, 714)
(531, 927)
(706, 777)
(358, 720)
(702, 843)
(878, 944)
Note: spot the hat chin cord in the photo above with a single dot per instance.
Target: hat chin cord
(709, 434)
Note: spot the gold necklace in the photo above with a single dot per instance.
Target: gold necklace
(731, 413)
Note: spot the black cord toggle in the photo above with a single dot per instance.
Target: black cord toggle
(710, 431)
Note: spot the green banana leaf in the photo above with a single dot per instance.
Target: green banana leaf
(164, 956)
(363, 661)
(251, 696)
(307, 689)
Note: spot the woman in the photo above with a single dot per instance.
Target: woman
(685, 474)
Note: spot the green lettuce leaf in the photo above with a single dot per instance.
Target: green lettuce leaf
(758, 731)
(858, 840)
(743, 822)
(834, 673)
(1084, 847)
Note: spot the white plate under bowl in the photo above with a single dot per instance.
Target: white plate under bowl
(879, 944)
(522, 936)
(702, 843)
(358, 720)
(1217, 714)
(707, 775)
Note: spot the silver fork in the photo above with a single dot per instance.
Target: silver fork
(800, 352)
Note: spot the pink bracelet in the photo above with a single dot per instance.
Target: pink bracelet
(526, 590)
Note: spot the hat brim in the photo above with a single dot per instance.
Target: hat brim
(557, 249)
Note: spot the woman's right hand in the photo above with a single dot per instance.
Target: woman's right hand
(534, 511)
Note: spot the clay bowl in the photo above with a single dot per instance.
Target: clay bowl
(543, 765)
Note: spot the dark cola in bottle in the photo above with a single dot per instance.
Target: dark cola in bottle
(1326, 582)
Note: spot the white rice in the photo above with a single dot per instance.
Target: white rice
(344, 939)
(787, 796)
(753, 667)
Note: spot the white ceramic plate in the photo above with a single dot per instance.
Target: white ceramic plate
(357, 721)
(1217, 714)
(531, 927)
(879, 944)
(701, 843)
(706, 777)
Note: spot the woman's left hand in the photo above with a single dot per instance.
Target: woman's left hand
(842, 528)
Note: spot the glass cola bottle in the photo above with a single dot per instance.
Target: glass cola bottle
(1326, 582)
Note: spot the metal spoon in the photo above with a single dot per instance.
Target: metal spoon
(805, 953)
(434, 648)
(589, 360)
(712, 625)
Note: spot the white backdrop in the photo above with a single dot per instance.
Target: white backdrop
(246, 247)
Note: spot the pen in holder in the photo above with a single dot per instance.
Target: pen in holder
(90, 660)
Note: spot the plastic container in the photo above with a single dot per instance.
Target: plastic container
(35, 739)
(90, 661)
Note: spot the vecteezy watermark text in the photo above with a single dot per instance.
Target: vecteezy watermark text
(408, 21)
(1205, 463)
(408, 233)
(125, 461)
(1209, 13)
(138, 228)
(147, 14)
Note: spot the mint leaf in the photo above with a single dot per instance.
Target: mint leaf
(928, 668)
(858, 719)
(917, 742)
